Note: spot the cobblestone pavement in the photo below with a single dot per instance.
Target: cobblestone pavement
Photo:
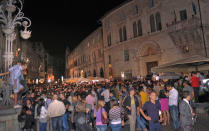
(202, 124)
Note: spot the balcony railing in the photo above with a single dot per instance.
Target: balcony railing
(179, 25)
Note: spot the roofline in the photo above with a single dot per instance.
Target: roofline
(115, 8)
(100, 27)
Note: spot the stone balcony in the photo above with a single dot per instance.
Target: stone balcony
(181, 25)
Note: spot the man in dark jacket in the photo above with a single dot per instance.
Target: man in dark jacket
(131, 104)
(186, 113)
(82, 117)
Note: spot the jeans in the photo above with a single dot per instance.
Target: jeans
(43, 126)
(196, 94)
(65, 121)
(101, 127)
(154, 126)
(57, 123)
(116, 127)
(175, 116)
(140, 122)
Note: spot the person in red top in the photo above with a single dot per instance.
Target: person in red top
(195, 82)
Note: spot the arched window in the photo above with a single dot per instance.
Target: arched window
(124, 33)
(89, 73)
(101, 73)
(85, 75)
(158, 21)
(152, 23)
(139, 28)
(135, 29)
(121, 34)
(109, 42)
(95, 73)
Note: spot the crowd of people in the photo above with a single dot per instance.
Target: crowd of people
(143, 104)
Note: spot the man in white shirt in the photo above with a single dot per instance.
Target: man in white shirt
(173, 105)
(106, 94)
(55, 111)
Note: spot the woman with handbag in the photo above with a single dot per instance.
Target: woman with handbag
(116, 116)
(101, 116)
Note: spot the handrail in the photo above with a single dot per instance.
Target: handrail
(4, 76)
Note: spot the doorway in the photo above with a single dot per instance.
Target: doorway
(150, 65)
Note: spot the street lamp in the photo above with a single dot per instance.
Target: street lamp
(27, 60)
(11, 15)
(18, 49)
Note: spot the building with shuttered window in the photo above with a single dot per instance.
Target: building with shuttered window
(141, 34)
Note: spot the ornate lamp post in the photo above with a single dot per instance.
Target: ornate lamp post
(11, 15)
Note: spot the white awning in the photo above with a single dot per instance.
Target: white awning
(189, 64)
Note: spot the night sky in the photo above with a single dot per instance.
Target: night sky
(61, 23)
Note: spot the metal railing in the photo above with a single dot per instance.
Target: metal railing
(5, 90)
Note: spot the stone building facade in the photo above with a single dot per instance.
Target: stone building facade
(28, 51)
(87, 59)
(35, 55)
(141, 34)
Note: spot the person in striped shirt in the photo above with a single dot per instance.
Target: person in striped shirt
(116, 115)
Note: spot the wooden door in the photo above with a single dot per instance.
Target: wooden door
(150, 65)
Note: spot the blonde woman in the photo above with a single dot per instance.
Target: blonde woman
(98, 112)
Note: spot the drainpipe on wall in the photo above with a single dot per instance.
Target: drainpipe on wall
(202, 29)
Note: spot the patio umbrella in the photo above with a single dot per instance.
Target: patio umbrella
(193, 63)
(170, 76)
